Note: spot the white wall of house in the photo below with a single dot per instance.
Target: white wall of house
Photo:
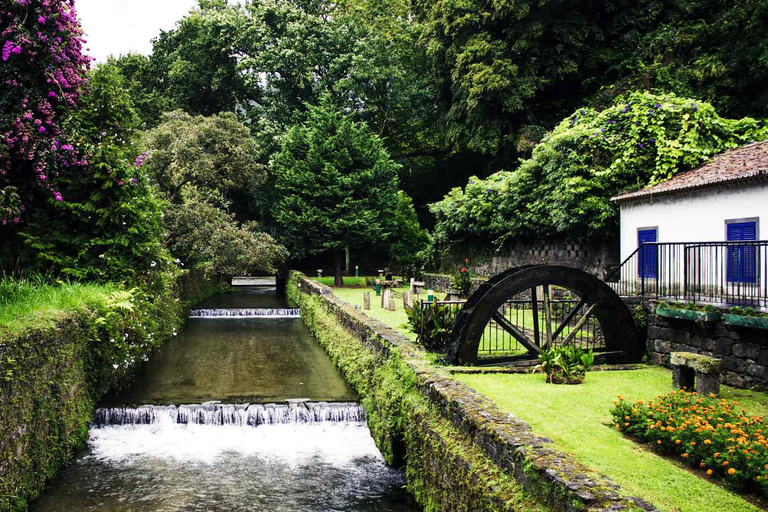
(694, 216)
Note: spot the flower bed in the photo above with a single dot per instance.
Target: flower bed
(709, 433)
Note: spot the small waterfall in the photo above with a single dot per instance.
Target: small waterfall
(246, 313)
(214, 413)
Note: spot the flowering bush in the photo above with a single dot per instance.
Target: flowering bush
(43, 70)
(565, 364)
(462, 282)
(708, 433)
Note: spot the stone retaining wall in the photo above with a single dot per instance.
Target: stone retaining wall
(460, 451)
(744, 351)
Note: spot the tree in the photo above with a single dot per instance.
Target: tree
(408, 239)
(110, 226)
(336, 186)
(592, 155)
(201, 164)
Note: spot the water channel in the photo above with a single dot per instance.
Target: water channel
(241, 411)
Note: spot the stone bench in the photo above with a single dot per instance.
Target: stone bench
(688, 368)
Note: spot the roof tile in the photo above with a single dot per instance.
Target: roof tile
(736, 164)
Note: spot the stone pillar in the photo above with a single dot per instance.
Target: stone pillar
(683, 377)
(410, 289)
(708, 383)
(367, 301)
(407, 300)
(390, 301)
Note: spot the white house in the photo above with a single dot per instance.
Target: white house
(702, 230)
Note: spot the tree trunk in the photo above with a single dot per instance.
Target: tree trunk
(338, 280)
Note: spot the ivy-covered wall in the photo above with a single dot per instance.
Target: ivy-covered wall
(51, 376)
(459, 451)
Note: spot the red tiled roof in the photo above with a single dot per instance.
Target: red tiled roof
(742, 163)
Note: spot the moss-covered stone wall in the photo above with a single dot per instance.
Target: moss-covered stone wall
(460, 452)
(50, 379)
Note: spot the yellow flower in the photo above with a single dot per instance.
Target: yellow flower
(707, 441)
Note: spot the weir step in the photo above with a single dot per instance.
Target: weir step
(246, 313)
(214, 413)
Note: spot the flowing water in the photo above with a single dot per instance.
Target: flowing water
(239, 412)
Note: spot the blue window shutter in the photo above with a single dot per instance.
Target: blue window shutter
(742, 259)
(648, 260)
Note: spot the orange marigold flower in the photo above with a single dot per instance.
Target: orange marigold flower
(685, 455)
(731, 471)
(658, 441)
(678, 442)
(709, 472)
(725, 463)
(707, 441)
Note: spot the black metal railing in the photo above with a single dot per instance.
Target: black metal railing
(721, 273)
(530, 319)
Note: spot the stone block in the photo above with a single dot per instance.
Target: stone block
(763, 360)
(367, 301)
(697, 362)
(707, 384)
(709, 344)
(724, 347)
(733, 379)
(746, 350)
(757, 370)
(662, 347)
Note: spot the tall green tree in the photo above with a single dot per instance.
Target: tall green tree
(202, 165)
(336, 186)
(409, 238)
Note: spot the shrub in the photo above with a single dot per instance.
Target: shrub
(432, 323)
(462, 282)
(708, 433)
(565, 364)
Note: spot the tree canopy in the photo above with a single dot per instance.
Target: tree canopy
(336, 185)
(592, 155)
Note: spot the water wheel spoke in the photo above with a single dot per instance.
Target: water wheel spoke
(568, 319)
(516, 333)
(576, 328)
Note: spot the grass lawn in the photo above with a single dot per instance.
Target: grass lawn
(28, 302)
(348, 281)
(396, 319)
(577, 419)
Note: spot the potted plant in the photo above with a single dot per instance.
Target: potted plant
(565, 364)
(689, 312)
(746, 317)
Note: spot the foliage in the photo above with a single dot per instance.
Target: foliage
(688, 306)
(566, 187)
(706, 432)
(565, 364)
(335, 185)
(202, 165)
(214, 154)
(198, 232)
(508, 64)
(432, 323)
(409, 240)
(462, 282)
(110, 227)
(43, 70)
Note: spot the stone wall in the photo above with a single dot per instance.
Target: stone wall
(593, 256)
(744, 351)
(461, 453)
(51, 378)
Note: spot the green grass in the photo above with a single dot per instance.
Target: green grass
(351, 282)
(396, 319)
(577, 419)
(27, 302)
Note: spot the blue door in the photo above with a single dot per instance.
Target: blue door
(742, 259)
(648, 261)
